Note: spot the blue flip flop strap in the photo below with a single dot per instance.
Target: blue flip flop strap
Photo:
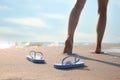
(77, 58)
(40, 54)
(34, 53)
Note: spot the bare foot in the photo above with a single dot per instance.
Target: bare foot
(68, 46)
(99, 51)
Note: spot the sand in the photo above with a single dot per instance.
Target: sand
(15, 66)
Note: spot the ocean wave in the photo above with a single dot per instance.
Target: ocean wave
(5, 44)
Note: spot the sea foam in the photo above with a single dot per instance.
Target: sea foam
(113, 50)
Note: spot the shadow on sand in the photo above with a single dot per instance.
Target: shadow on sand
(101, 61)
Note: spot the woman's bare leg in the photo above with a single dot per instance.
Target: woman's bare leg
(73, 21)
(102, 10)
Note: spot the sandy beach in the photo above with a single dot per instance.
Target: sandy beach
(15, 66)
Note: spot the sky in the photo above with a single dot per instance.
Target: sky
(46, 21)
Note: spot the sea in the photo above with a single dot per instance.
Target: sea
(9, 44)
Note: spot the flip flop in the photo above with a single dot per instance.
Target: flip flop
(69, 64)
(36, 57)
